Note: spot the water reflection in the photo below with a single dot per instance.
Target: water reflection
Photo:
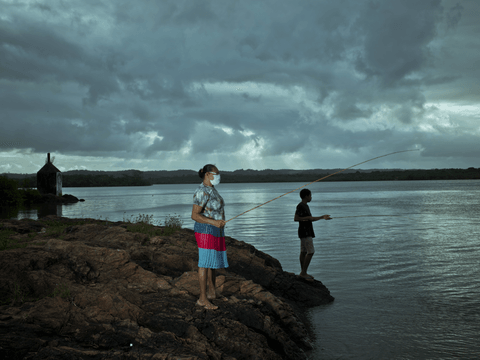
(9, 212)
(33, 212)
(406, 286)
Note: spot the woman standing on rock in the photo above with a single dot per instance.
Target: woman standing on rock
(209, 216)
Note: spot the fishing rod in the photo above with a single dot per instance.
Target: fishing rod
(278, 197)
(344, 217)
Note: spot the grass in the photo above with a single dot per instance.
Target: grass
(19, 296)
(7, 243)
(57, 228)
(145, 224)
(63, 291)
(173, 222)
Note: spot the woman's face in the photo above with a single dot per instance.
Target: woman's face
(210, 174)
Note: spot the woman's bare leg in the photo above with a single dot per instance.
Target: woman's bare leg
(212, 292)
(202, 279)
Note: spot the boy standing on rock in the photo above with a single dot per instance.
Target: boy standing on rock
(305, 231)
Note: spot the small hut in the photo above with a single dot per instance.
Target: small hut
(49, 179)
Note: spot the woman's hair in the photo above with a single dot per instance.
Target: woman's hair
(304, 193)
(206, 168)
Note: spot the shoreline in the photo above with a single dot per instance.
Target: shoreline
(93, 288)
(87, 178)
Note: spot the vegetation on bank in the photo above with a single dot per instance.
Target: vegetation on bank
(90, 180)
(19, 296)
(14, 193)
(104, 180)
(139, 178)
(434, 174)
(312, 175)
(144, 224)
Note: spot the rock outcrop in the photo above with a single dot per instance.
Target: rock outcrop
(54, 199)
(90, 289)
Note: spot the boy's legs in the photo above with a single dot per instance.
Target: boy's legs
(306, 254)
(306, 261)
(302, 260)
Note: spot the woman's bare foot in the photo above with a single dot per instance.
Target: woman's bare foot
(207, 305)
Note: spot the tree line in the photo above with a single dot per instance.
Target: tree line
(90, 180)
(138, 178)
(104, 180)
(377, 175)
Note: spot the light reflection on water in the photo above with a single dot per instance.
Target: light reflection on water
(404, 286)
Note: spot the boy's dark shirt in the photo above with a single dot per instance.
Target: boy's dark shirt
(305, 228)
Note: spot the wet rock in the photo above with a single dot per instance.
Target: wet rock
(67, 198)
(93, 289)
(55, 199)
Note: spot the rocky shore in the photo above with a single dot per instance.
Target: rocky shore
(91, 289)
(55, 199)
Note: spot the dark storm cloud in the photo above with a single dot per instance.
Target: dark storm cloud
(142, 79)
(396, 37)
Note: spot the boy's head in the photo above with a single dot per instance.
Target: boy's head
(305, 193)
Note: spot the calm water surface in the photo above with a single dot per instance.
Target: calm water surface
(406, 281)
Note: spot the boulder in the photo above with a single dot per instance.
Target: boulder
(54, 199)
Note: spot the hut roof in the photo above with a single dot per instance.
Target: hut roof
(48, 168)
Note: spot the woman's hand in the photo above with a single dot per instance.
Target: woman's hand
(326, 217)
(220, 223)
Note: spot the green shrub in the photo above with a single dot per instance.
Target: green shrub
(30, 196)
(143, 224)
(172, 224)
(146, 225)
(173, 221)
(9, 193)
(63, 291)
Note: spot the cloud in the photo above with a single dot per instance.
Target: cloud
(179, 81)
(396, 35)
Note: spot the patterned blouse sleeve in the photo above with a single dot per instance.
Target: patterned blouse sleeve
(200, 198)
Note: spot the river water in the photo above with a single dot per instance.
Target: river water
(400, 258)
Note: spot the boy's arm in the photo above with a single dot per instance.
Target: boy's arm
(302, 218)
(311, 218)
(326, 217)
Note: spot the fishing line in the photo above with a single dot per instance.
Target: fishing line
(278, 197)
(344, 217)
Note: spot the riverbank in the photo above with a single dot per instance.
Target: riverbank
(95, 289)
(85, 178)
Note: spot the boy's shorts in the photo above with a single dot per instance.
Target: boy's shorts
(306, 245)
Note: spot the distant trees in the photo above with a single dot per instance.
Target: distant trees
(139, 178)
(275, 176)
(104, 180)
(434, 174)
(87, 180)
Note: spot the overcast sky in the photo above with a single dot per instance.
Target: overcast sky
(166, 85)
